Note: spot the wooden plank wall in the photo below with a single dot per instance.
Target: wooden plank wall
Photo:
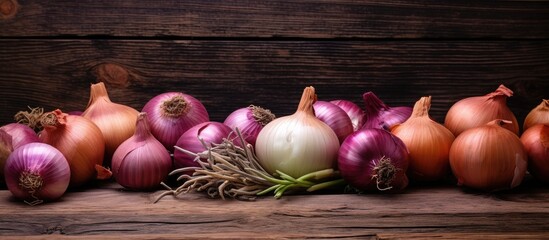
(230, 54)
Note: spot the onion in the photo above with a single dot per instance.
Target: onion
(379, 115)
(334, 117)
(141, 162)
(488, 157)
(171, 114)
(37, 172)
(249, 121)
(355, 113)
(191, 140)
(428, 142)
(538, 115)
(21, 134)
(372, 159)
(116, 121)
(477, 111)
(298, 144)
(536, 143)
(80, 141)
(6, 148)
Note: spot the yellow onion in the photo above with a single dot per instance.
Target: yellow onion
(488, 157)
(476, 111)
(538, 115)
(536, 143)
(116, 121)
(298, 144)
(80, 141)
(427, 141)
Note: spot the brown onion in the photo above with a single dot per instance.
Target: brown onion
(538, 115)
(536, 142)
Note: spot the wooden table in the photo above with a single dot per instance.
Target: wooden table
(440, 212)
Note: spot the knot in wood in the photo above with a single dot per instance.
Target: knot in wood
(8, 8)
(112, 74)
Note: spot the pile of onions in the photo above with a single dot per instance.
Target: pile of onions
(489, 157)
(116, 121)
(21, 134)
(249, 121)
(141, 162)
(355, 113)
(536, 143)
(477, 111)
(37, 172)
(371, 159)
(173, 113)
(80, 141)
(196, 139)
(538, 115)
(379, 115)
(298, 144)
(334, 117)
(428, 142)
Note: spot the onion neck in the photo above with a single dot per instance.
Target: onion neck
(421, 107)
(261, 115)
(54, 119)
(142, 129)
(544, 105)
(98, 91)
(174, 107)
(501, 93)
(372, 104)
(499, 122)
(384, 173)
(308, 98)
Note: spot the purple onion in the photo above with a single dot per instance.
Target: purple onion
(335, 118)
(209, 132)
(37, 172)
(173, 113)
(372, 159)
(355, 113)
(249, 121)
(21, 134)
(379, 115)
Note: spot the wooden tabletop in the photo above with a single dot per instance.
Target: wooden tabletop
(441, 212)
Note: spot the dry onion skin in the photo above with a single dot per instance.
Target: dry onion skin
(536, 143)
(488, 157)
(538, 115)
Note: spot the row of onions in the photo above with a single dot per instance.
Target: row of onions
(324, 143)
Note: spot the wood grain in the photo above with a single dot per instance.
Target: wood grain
(279, 19)
(226, 75)
(428, 211)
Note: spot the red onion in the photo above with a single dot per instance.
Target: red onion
(173, 113)
(379, 115)
(335, 117)
(373, 159)
(536, 143)
(356, 114)
(141, 162)
(249, 121)
(21, 134)
(37, 172)
(209, 132)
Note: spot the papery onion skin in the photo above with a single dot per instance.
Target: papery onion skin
(538, 115)
(428, 142)
(477, 111)
(171, 114)
(80, 141)
(488, 157)
(209, 132)
(249, 121)
(536, 143)
(298, 144)
(379, 115)
(355, 113)
(21, 134)
(141, 162)
(334, 117)
(116, 121)
(42, 162)
(360, 160)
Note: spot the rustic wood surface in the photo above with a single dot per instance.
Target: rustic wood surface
(442, 211)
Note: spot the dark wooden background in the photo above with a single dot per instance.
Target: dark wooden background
(230, 54)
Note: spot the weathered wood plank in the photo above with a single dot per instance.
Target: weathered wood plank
(226, 75)
(307, 19)
(442, 211)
